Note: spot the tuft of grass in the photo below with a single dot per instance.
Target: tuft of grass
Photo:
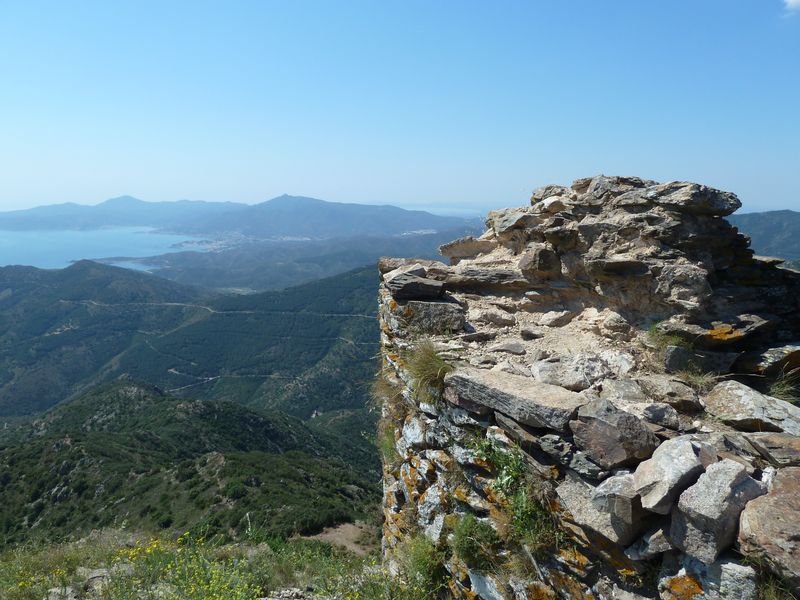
(660, 340)
(427, 370)
(422, 565)
(474, 542)
(786, 386)
(531, 524)
(700, 381)
(387, 395)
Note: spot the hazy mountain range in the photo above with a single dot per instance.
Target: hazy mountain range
(282, 217)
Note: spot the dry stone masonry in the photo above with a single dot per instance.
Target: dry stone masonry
(580, 404)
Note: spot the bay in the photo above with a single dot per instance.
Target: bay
(58, 249)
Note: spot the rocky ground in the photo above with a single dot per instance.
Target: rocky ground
(623, 336)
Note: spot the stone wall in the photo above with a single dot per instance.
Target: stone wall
(576, 406)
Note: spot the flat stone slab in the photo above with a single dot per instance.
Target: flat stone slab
(746, 409)
(524, 400)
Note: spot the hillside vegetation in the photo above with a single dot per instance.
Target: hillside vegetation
(305, 350)
(128, 454)
(773, 233)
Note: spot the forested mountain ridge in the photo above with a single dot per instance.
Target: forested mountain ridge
(126, 453)
(304, 350)
(772, 233)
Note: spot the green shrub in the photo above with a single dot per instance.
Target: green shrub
(427, 370)
(508, 464)
(474, 542)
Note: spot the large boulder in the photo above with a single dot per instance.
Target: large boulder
(744, 408)
(610, 436)
(769, 527)
(705, 518)
(526, 401)
(675, 465)
(577, 372)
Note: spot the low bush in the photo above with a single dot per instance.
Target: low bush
(474, 542)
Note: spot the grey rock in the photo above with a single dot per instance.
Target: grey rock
(540, 262)
(576, 497)
(502, 222)
(526, 401)
(515, 348)
(406, 286)
(769, 527)
(650, 545)
(675, 465)
(530, 334)
(556, 318)
(780, 359)
(705, 518)
(577, 372)
(780, 449)
(617, 497)
(663, 388)
(748, 410)
(486, 586)
(433, 317)
(612, 437)
(677, 358)
(662, 414)
(466, 247)
(624, 391)
(581, 464)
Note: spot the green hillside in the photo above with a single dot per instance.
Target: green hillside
(128, 454)
(304, 350)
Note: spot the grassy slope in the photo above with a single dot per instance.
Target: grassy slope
(126, 453)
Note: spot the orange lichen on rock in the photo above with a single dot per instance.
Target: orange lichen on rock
(682, 587)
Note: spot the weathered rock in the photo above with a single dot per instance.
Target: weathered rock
(577, 372)
(662, 414)
(705, 518)
(557, 318)
(722, 580)
(781, 359)
(526, 401)
(650, 545)
(611, 437)
(675, 465)
(623, 391)
(663, 388)
(509, 348)
(682, 196)
(748, 410)
(407, 286)
(466, 247)
(432, 317)
(540, 262)
(504, 221)
(769, 527)
(576, 498)
(780, 449)
(617, 497)
(486, 586)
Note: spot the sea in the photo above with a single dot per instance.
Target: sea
(58, 249)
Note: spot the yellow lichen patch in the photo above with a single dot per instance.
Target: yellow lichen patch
(724, 333)
(539, 591)
(682, 587)
(393, 305)
(575, 560)
(571, 587)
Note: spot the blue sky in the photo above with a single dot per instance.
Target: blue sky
(459, 105)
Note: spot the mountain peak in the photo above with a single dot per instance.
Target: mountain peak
(122, 201)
